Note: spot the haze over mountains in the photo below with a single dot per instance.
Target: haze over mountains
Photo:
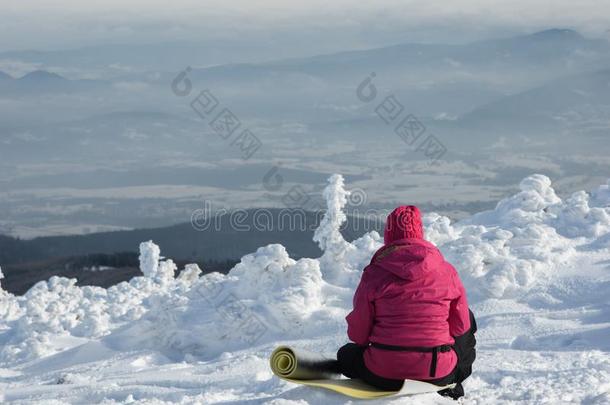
(95, 139)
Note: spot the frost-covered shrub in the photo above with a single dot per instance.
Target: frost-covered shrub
(151, 265)
(149, 259)
(530, 205)
(508, 250)
(576, 218)
(438, 228)
(511, 251)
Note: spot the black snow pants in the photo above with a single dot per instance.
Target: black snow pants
(351, 362)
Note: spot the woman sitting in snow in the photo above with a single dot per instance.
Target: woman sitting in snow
(410, 318)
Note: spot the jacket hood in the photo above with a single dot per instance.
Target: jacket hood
(408, 258)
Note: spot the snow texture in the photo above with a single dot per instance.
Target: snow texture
(536, 269)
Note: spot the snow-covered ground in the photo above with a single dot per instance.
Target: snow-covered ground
(537, 270)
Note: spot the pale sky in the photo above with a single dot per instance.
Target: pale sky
(57, 24)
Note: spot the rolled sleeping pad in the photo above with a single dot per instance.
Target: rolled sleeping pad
(298, 364)
(315, 370)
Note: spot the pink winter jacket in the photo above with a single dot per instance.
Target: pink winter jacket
(408, 296)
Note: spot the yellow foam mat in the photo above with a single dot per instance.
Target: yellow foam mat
(310, 369)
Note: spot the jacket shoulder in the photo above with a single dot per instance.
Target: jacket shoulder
(374, 278)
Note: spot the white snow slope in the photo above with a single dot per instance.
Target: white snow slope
(537, 270)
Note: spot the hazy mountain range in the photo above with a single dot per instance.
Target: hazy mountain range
(94, 138)
(41, 82)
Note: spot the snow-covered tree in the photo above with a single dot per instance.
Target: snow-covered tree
(151, 264)
(328, 235)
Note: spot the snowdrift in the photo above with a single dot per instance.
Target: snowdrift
(535, 268)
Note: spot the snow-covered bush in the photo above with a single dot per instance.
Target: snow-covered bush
(511, 251)
(152, 267)
(576, 218)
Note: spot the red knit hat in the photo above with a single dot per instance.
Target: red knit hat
(403, 223)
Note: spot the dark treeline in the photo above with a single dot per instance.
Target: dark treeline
(216, 248)
(103, 270)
